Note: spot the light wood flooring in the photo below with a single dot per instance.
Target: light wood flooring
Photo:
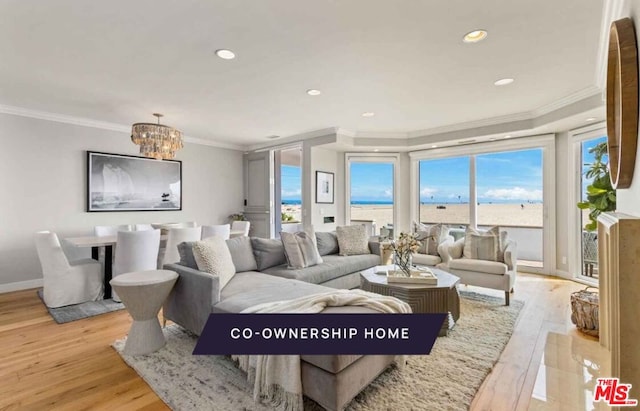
(72, 366)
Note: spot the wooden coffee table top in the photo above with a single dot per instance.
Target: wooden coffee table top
(445, 279)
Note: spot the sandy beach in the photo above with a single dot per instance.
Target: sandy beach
(531, 215)
(488, 214)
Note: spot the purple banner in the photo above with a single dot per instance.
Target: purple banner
(312, 334)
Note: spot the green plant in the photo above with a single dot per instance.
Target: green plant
(601, 196)
(287, 217)
(237, 217)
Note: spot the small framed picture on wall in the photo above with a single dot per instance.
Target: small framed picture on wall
(324, 187)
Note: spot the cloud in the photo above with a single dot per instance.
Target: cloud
(388, 193)
(428, 191)
(291, 193)
(515, 193)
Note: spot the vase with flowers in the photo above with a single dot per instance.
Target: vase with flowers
(403, 249)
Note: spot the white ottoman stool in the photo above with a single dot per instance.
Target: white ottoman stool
(143, 293)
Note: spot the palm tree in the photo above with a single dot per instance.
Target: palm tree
(601, 196)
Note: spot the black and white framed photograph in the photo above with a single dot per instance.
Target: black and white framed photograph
(324, 187)
(118, 182)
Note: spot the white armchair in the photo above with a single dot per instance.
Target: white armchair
(65, 282)
(496, 275)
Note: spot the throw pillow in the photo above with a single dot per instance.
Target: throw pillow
(300, 249)
(353, 240)
(212, 256)
(430, 236)
(268, 252)
(327, 243)
(483, 247)
(468, 247)
(185, 249)
(242, 254)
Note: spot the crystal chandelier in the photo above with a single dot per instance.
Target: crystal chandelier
(156, 140)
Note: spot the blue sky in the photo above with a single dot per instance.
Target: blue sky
(514, 176)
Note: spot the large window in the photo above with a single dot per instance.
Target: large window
(444, 191)
(508, 183)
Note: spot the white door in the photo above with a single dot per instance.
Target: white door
(258, 189)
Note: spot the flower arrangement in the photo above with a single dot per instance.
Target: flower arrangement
(403, 249)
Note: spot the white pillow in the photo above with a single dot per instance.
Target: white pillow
(300, 249)
(353, 240)
(213, 256)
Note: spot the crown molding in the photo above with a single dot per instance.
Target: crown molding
(573, 98)
(295, 138)
(102, 125)
(611, 10)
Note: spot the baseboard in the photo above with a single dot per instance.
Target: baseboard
(20, 285)
(564, 274)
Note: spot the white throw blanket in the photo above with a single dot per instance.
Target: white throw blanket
(277, 377)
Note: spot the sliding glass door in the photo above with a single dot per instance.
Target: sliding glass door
(510, 195)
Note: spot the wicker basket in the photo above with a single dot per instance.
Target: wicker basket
(585, 311)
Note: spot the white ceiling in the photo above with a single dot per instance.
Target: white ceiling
(119, 61)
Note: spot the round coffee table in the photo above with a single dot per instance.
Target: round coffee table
(440, 298)
(143, 293)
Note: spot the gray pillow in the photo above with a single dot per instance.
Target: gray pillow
(482, 247)
(327, 243)
(300, 249)
(268, 252)
(185, 249)
(430, 237)
(242, 254)
(353, 240)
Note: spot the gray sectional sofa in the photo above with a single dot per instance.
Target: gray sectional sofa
(330, 380)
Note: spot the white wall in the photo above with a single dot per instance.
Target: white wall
(43, 180)
(629, 199)
(324, 160)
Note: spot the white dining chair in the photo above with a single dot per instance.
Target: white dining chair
(108, 230)
(144, 227)
(176, 236)
(241, 226)
(65, 282)
(223, 230)
(136, 251)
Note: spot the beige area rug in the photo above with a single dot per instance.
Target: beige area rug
(447, 379)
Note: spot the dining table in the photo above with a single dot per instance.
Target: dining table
(106, 243)
(96, 243)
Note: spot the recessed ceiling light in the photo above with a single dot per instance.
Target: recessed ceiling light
(507, 136)
(368, 114)
(475, 36)
(503, 81)
(376, 149)
(590, 119)
(434, 146)
(225, 54)
(273, 137)
(314, 92)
